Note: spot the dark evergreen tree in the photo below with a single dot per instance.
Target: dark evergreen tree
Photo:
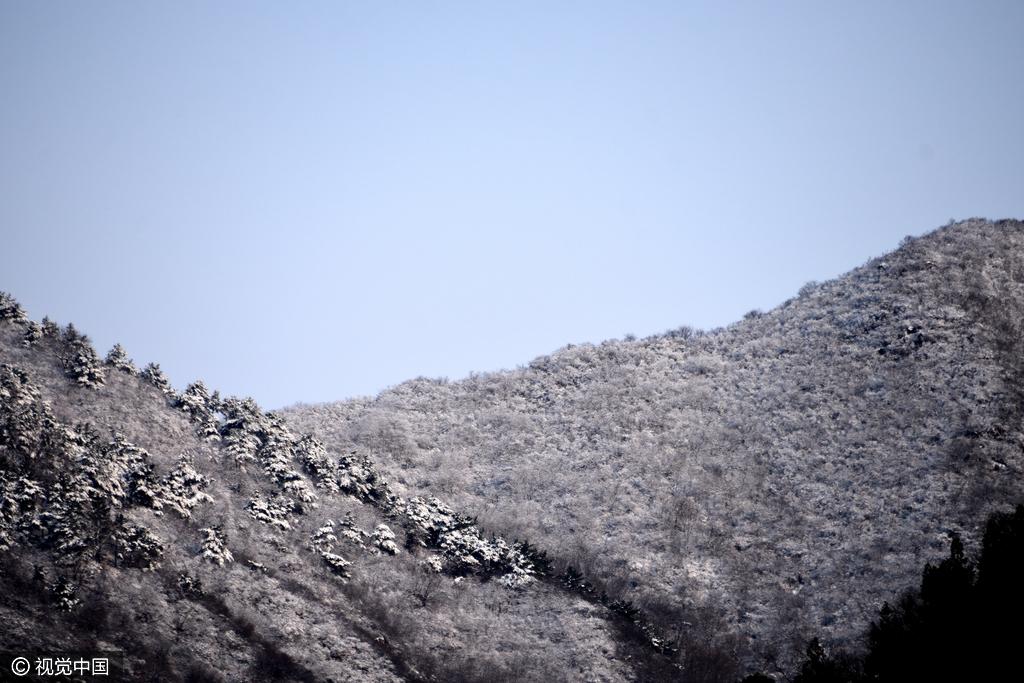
(962, 624)
(1000, 595)
(820, 667)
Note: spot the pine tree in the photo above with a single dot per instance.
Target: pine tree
(197, 403)
(10, 309)
(118, 358)
(136, 546)
(51, 329)
(273, 512)
(384, 539)
(155, 376)
(79, 359)
(33, 333)
(819, 667)
(182, 489)
(322, 542)
(313, 456)
(215, 547)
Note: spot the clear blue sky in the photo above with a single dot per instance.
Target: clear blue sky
(311, 201)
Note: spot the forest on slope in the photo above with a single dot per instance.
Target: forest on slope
(204, 541)
(694, 506)
(753, 486)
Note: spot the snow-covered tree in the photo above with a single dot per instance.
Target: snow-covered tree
(275, 455)
(182, 489)
(432, 563)
(338, 564)
(189, 586)
(18, 498)
(65, 524)
(10, 309)
(50, 328)
(359, 478)
(311, 452)
(65, 594)
(242, 446)
(384, 539)
(322, 542)
(348, 531)
(432, 524)
(33, 333)
(113, 469)
(118, 359)
(79, 359)
(273, 512)
(155, 376)
(144, 490)
(241, 429)
(215, 546)
(324, 537)
(137, 546)
(22, 415)
(197, 403)
(250, 435)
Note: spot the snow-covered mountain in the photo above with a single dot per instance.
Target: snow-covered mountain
(692, 506)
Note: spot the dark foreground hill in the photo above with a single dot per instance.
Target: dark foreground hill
(693, 506)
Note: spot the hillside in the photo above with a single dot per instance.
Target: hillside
(753, 486)
(693, 506)
(204, 541)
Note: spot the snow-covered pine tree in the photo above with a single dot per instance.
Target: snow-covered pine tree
(241, 429)
(136, 546)
(50, 328)
(155, 376)
(348, 531)
(65, 592)
(384, 539)
(198, 404)
(215, 546)
(312, 453)
(324, 537)
(322, 541)
(182, 488)
(110, 468)
(33, 333)
(118, 358)
(79, 359)
(10, 309)
(359, 478)
(273, 512)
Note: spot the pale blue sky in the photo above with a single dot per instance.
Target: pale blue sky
(310, 201)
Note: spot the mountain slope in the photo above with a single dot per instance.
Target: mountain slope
(756, 485)
(692, 506)
(203, 540)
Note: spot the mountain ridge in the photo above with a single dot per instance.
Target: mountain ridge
(692, 505)
(958, 287)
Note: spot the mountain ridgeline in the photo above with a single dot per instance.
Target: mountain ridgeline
(694, 506)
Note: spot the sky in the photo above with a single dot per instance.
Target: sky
(311, 201)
